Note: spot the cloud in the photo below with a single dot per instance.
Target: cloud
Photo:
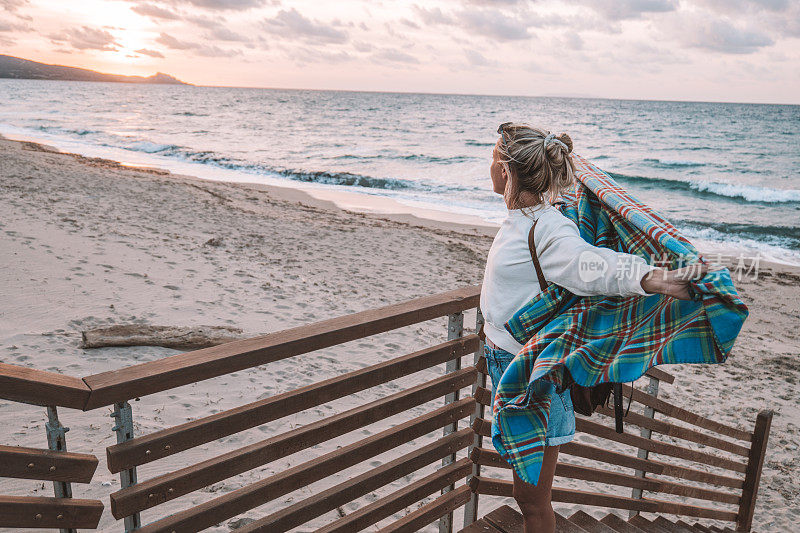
(86, 38)
(199, 49)
(12, 5)
(224, 34)
(628, 9)
(171, 42)
(781, 16)
(223, 5)
(476, 59)
(11, 26)
(432, 16)
(395, 55)
(151, 53)
(291, 24)
(718, 35)
(156, 12)
(494, 24)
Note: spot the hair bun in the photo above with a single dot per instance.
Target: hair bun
(564, 138)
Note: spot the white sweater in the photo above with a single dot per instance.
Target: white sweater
(510, 280)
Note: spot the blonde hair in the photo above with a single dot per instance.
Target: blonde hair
(536, 161)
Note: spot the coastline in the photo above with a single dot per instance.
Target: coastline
(89, 242)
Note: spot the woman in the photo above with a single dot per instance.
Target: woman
(530, 168)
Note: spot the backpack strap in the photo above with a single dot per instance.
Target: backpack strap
(532, 248)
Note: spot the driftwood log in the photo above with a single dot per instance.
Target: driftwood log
(177, 337)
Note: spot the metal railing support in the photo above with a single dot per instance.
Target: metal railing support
(455, 329)
(649, 412)
(57, 441)
(471, 507)
(123, 414)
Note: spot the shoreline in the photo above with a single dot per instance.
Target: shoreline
(374, 205)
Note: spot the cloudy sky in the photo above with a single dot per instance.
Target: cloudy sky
(717, 50)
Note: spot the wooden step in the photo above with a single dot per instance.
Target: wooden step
(687, 526)
(589, 523)
(700, 527)
(564, 525)
(618, 524)
(645, 524)
(481, 526)
(669, 525)
(506, 519)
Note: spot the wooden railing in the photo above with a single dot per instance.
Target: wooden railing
(460, 451)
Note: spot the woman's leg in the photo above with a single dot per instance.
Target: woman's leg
(534, 500)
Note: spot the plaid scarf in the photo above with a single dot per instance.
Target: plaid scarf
(607, 338)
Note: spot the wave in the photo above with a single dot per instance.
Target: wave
(783, 236)
(470, 142)
(734, 191)
(79, 132)
(407, 157)
(319, 176)
(672, 163)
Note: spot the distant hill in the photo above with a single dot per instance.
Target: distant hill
(15, 67)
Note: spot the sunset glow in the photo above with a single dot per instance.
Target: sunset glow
(656, 49)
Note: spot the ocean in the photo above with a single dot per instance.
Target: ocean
(725, 174)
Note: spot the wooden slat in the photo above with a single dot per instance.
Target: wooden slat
(174, 484)
(754, 466)
(655, 372)
(687, 416)
(238, 501)
(648, 465)
(486, 457)
(593, 428)
(665, 428)
(46, 465)
(37, 387)
(399, 500)
(172, 440)
(483, 396)
(34, 512)
(483, 427)
(501, 487)
(293, 516)
(191, 367)
(482, 365)
(413, 522)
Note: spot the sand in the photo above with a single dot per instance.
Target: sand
(87, 243)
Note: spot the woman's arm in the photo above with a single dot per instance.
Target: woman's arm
(586, 270)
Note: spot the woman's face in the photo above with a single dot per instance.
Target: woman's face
(497, 172)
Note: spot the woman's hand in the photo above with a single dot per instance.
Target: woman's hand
(673, 283)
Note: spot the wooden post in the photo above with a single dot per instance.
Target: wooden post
(455, 329)
(652, 388)
(752, 477)
(471, 507)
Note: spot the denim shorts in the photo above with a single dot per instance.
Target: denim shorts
(561, 424)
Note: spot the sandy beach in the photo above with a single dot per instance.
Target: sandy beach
(87, 242)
